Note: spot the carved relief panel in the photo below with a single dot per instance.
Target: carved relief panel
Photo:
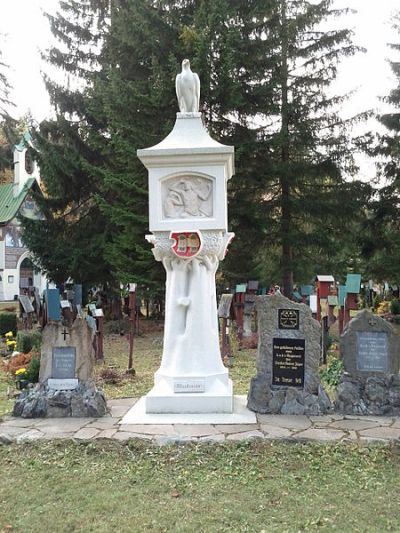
(187, 197)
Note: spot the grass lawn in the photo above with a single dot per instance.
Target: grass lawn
(105, 486)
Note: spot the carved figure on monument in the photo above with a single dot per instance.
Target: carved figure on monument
(186, 199)
(187, 89)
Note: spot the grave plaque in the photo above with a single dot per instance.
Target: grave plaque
(288, 318)
(63, 363)
(189, 385)
(224, 307)
(26, 304)
(372, 351)
(288, 356)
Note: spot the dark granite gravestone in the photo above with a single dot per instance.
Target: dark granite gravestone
(52, 297)
(66, 379)
(370, 351)
(63, 363)
(287, 379)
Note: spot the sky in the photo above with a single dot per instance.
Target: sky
(27, 32)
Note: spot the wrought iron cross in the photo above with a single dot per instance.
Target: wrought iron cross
(65, 333)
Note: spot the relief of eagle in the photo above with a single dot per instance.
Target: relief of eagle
(188, 89)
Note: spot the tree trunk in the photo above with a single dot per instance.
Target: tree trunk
(287, 252)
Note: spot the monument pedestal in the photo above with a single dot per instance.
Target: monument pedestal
(190, 394)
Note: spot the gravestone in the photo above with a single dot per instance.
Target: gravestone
(370, 384)
(66, 386)
(52, 298)
(287, 379)
(224, 307)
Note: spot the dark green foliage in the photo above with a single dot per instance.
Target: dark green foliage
(265, 68)
(395, 307)
(381, 242)
(28, 340)
(8, 322)
(332, 373)
(33, 368)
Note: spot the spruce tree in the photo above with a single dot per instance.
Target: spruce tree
(381, 236)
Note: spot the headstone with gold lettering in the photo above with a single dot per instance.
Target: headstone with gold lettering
(370, 384)
(289, 350)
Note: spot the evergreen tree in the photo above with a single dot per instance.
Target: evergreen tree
(381, 235)
(70, 240)
(7, 123)
(265, 68)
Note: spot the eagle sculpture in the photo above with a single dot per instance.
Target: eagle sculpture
(188, 89)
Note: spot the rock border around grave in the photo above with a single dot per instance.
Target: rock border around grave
(370, 383)
(42, 402)
(287, 328)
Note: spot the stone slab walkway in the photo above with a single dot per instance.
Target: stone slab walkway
(282, 427)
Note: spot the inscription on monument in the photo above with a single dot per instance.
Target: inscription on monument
(372, 351)
(189, 385)
(63, 362)
(288, 318)
(288, 362)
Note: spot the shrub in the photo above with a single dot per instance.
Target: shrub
(28, 340)
(32, 370)
(8, 322)
(377, 300)
(111, 376)
(21, 360)
(332, 373)
(395, 307)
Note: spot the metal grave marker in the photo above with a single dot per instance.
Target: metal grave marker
(63, 363)
(53, 304)
(288, 318)
(26, 304)
(288, 357)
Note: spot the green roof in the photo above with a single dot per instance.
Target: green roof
(297, 296)
(306, 290)
(342, 294)
(9, 204)
(353, 283)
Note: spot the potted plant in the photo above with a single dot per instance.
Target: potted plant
(21, 378)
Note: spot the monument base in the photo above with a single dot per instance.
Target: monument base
(239, 415)
(190, 394)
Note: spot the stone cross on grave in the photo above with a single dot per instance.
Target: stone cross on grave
(64, 333)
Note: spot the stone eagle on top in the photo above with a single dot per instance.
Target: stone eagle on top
(187, 85)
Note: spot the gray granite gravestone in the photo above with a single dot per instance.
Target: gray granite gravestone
(370, 351)
(66, 386)
(289, 350)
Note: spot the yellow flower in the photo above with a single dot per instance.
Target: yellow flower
(9, 334)
(20, 371)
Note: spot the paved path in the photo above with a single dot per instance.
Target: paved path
(316, 428)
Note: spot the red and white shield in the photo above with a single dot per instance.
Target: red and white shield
(186, 243)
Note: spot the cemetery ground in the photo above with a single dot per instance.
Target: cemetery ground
(103, 485)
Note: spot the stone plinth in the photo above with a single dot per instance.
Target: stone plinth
(289, 350)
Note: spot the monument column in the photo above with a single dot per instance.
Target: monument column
(188, 174)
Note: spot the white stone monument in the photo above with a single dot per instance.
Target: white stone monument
(188, 175)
